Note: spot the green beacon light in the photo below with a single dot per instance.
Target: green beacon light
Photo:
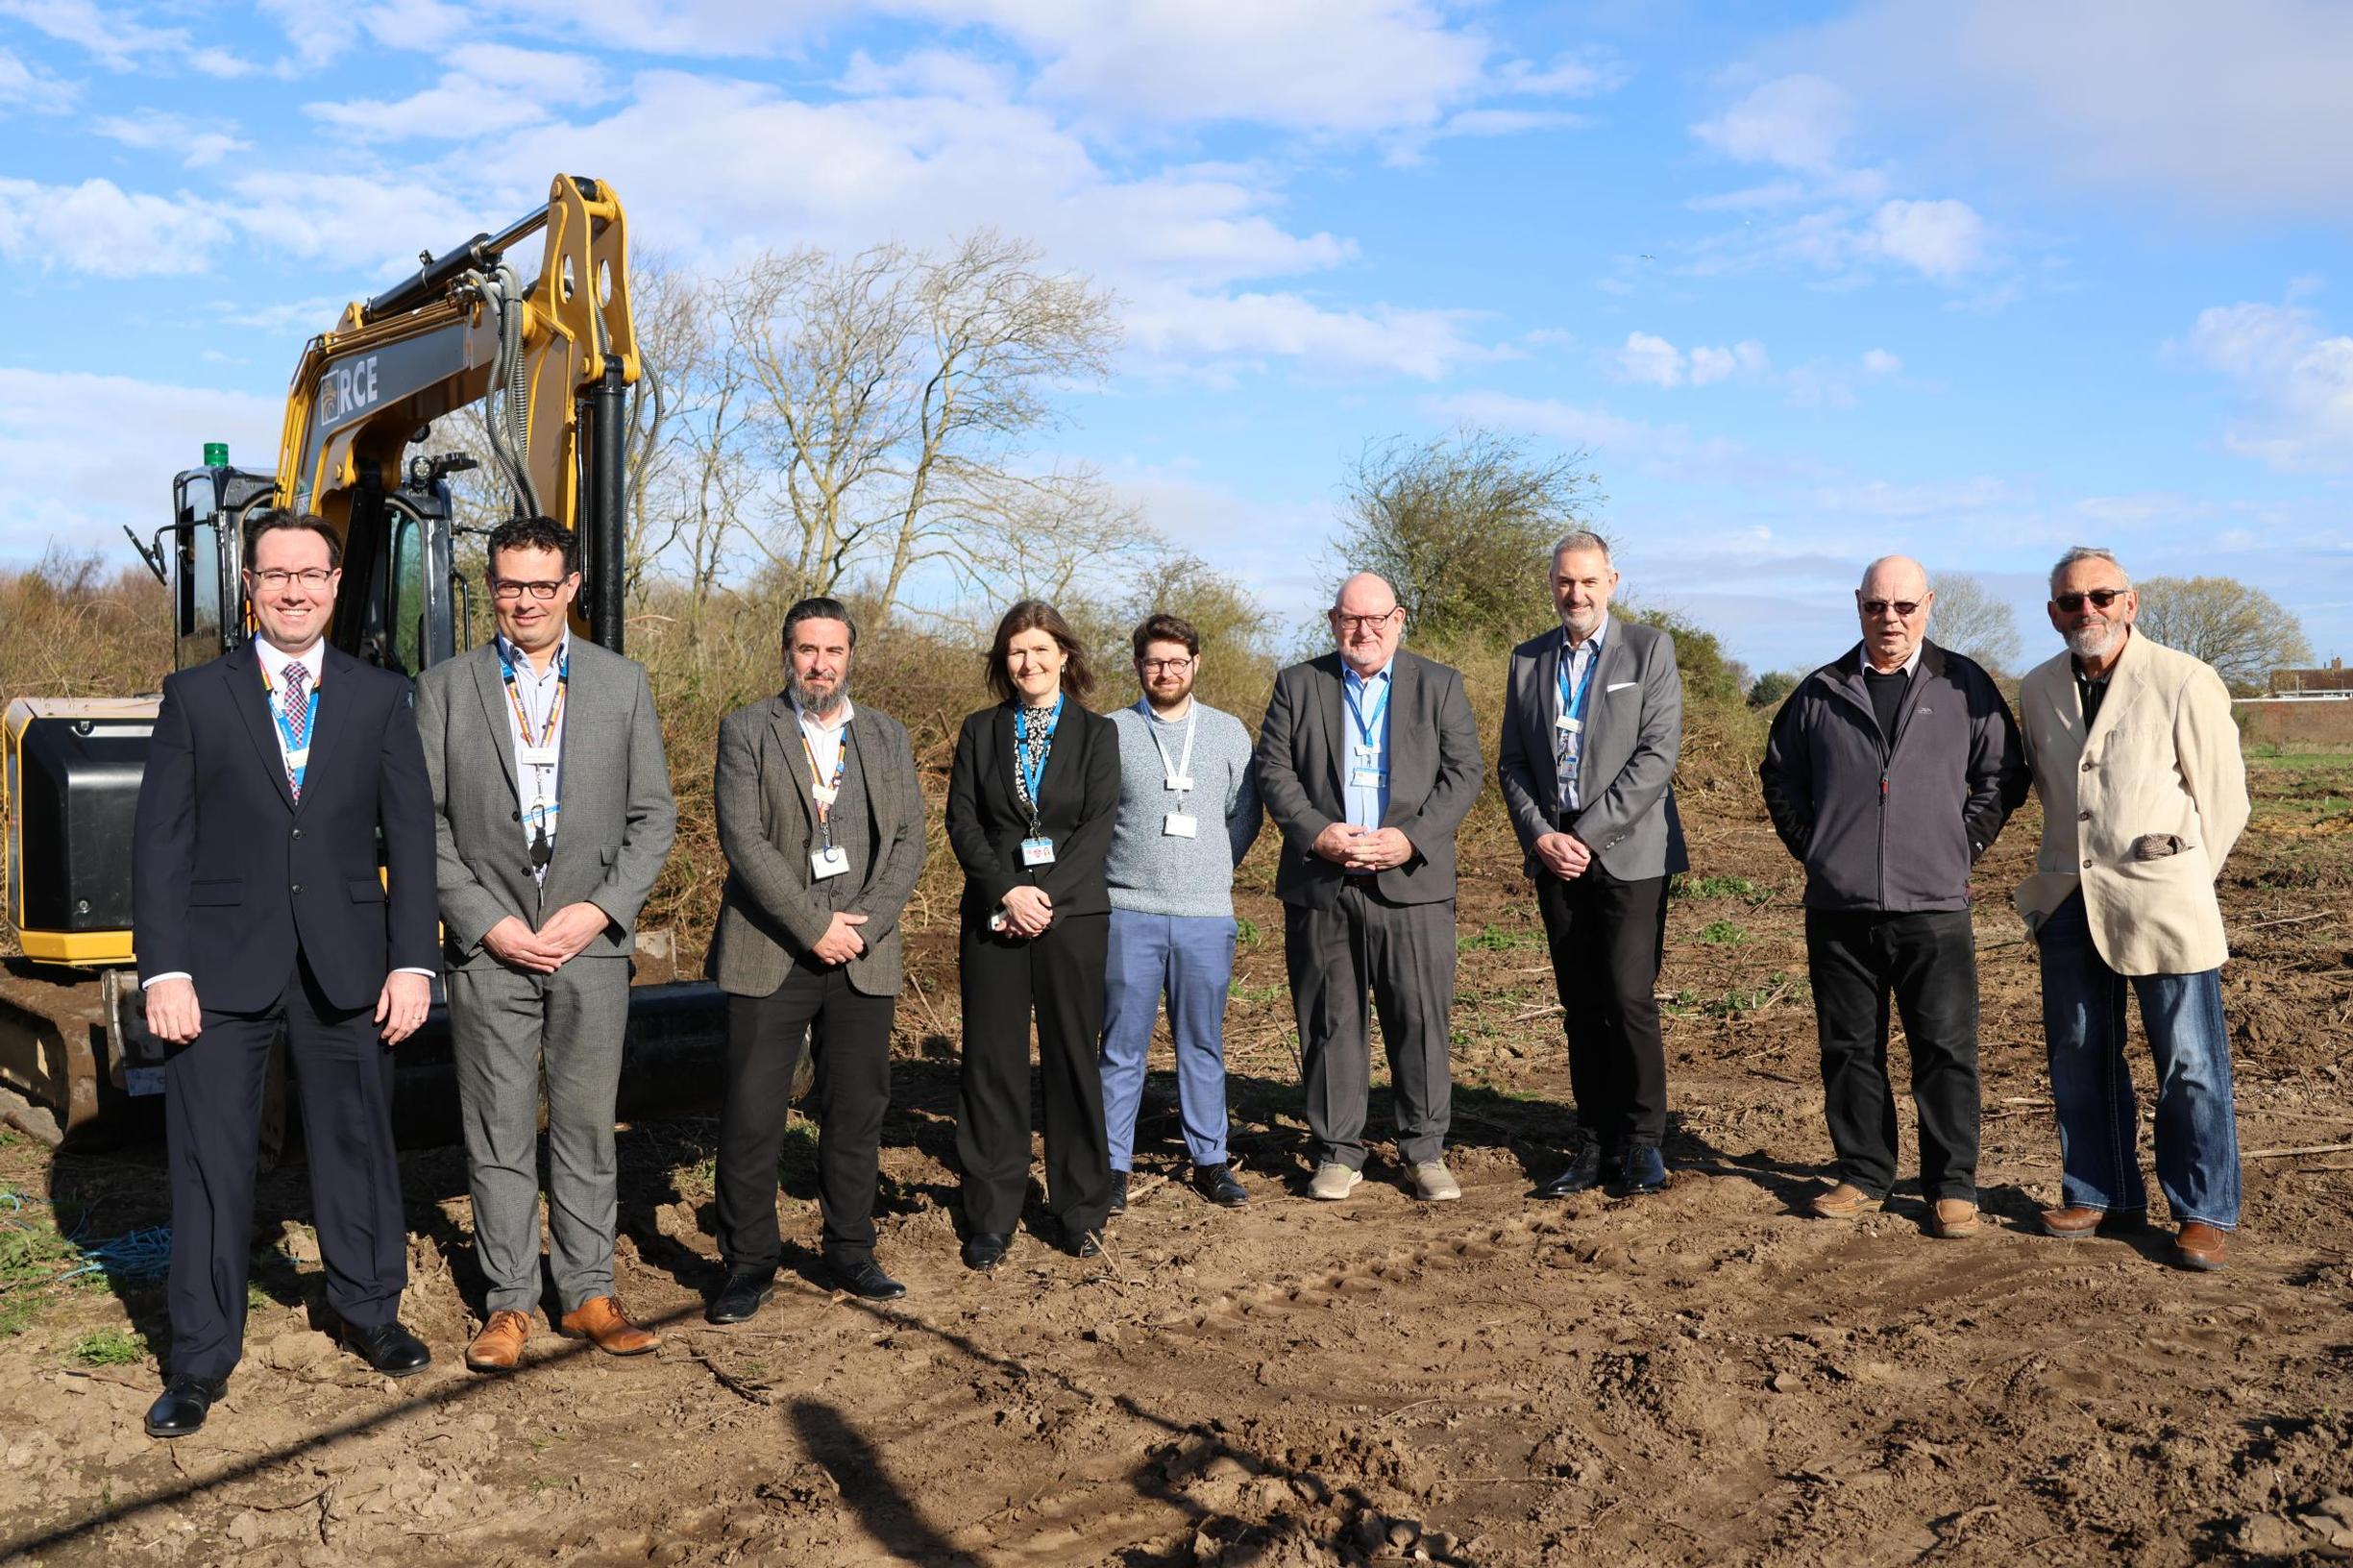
(217, 455)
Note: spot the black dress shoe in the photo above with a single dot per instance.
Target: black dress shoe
(1118, 1192)
(739, 1295)
(389, 1348)
(984, 1250)
(1584, 1175)
(182, 1407)
(1217, 1183)
(864, 1277)
(1090, 1246)
(1640, 1172)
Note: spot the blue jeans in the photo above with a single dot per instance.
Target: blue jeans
(2197, 1134)
(1190, 957)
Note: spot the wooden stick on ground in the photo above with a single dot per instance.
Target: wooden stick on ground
(2286, 1154)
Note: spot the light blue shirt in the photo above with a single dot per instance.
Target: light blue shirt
(1369, 698)
(1568, 750)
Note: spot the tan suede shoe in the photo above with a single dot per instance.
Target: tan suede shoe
(1950, 1219)
(498, 1347)
(600, 1321)
(1845, 1201)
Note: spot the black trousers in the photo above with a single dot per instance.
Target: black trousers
(212, 1119)
(1927, 962)
(850, 1035)
(1607, 939)
(1060, 977)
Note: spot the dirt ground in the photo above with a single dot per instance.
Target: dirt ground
(1700, 1376)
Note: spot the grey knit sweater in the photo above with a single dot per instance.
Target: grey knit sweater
(1153, 873)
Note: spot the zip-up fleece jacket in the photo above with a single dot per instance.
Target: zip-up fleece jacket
(1892, 825)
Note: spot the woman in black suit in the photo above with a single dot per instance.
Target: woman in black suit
(1030, 804)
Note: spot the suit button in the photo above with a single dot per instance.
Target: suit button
(296, 887)
(2083, 817)
(298, 832)
(2087, 865)
(2087, 767)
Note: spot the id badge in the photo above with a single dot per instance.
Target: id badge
(1179, 824)
(1368, 778)
(825, 793)
(828, 862)
(541, 756)
(1180, 785)
(1568, 723)
(1038, 851)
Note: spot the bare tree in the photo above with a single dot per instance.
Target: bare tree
(1972, 622)
(1460, 526)
(894, 396)
(2241, 630)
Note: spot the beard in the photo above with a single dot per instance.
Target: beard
(1582, 623)
(821, 704)
(1159, 698)
(2095, 642)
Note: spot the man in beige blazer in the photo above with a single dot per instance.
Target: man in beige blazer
(2136, 758)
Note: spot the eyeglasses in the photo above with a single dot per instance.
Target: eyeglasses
(1153, 667)
(507, 589)
(274, 579)
(1366, 622)
(1874, 608)
(2101, 598)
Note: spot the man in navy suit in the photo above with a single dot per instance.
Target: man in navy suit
(255, 907)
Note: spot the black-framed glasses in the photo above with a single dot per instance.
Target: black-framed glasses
(1365, 623)
(1904, 607)
(2101, 598)
(1153, 667)
(274, 579)
(509, 589)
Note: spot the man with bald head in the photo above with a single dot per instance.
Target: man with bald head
(1888, 773)
(1367, 763)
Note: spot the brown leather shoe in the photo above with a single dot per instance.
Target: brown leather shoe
(1950, 1219)
(498, 1347)
(1845, 1201)
(2200, 1246)
(2072, 1224)
(601, 1322)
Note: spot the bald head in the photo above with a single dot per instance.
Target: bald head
(1893, 603)
(1366, 622)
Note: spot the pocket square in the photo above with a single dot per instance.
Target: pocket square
(1619, 686)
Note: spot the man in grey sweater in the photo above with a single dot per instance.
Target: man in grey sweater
(1188, 811)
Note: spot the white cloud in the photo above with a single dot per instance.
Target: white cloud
(81, 455)
(2294, 382)
(1662, 451)
(362, 221)
(1941, 239)
(99, 229)
(490, 89)
(112, 37)
(1219, 333)
(154, 131)
(28, 87)
(1746, 358)
(1798, 122)
(1649, 362)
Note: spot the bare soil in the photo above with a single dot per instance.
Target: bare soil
(1700, 1376)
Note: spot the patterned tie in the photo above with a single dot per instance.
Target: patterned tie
(297, 706)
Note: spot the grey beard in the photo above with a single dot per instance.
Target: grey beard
(823, 707)
(2093, 642)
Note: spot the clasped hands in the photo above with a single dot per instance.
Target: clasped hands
(1028, 911)
(1354, 848)
(513, 942)
(1564, 854)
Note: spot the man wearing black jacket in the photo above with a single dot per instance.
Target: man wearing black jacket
(1888, 773)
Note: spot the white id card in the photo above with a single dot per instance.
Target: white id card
(1568, 723)
(542, 756)
(297, 761)
(1365, 755)
(1179, 824)
(1368, 778)
(829, 861)
(1038, 851)
(825, 793)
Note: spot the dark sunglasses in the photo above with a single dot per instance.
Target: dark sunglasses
(1905, 608)
(2103, 598)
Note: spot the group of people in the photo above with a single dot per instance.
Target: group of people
(523, 801)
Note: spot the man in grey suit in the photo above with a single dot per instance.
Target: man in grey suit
(553, 814)
(1367, 763)
(1593, 719)
(821, 821)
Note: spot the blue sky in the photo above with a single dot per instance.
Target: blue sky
(1810, 283)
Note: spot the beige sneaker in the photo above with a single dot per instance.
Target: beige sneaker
(1434, 1183)
(1333, 1182)
(1845, 1201)
(1953, 1219)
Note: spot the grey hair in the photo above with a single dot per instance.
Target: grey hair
(2087, 552)
(1581, 539)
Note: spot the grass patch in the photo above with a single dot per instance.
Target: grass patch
(1684, 885)
(108, 1347)
(1774, 988)
(1496, 939)
(1246, 931)
(16, 1316)
(1722, 934)
(1256, 993)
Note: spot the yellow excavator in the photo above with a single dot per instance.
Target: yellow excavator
(550, 367)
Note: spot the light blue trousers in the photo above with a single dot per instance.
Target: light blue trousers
(1191, 959)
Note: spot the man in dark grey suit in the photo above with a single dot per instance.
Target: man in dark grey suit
(821, 821)
(1593, 719)
(553, 814)
(1367, 763)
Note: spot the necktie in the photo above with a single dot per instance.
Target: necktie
(296, 705)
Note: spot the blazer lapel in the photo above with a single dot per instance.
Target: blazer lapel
(1004, 759)
(1611, 663)
(1541, 738)
(242, 669)
(1404, 701)
(2123, 686)
(491, 686)
(785, 724)
(327, 730)
(1338, 736)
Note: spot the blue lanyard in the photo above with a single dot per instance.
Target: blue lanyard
(1573, 702)
(1355, 711)
(277, 710)
(1035, 778)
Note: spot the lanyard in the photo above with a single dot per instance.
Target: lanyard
(824, 794)
(1034, 777)
(1180, 774)
(1356, 712)
(556, 710)
(1573, 702)
(277, 710)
